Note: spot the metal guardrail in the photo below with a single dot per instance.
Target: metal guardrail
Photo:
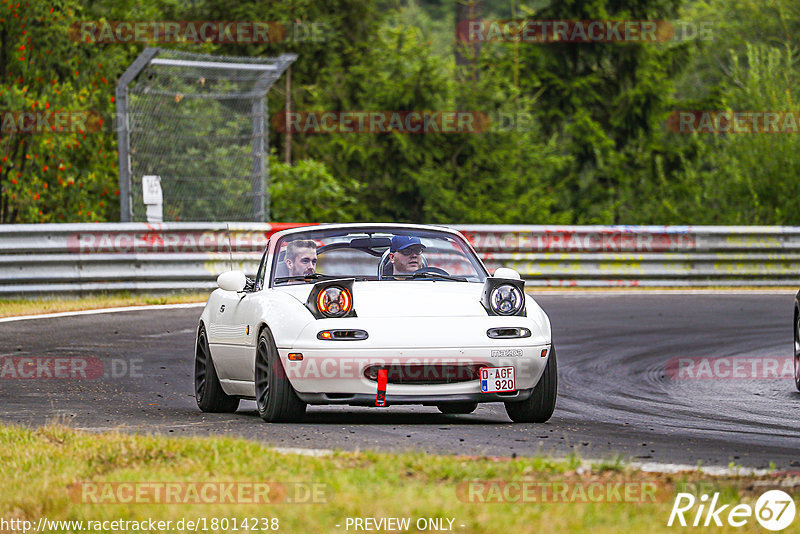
(655, 256)
(58, 258)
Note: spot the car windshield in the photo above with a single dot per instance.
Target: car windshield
(379, 254)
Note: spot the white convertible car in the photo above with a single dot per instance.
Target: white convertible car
(374, 315)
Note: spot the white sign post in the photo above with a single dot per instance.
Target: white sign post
(153, 198)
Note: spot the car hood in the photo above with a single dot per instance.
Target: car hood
(409, 298)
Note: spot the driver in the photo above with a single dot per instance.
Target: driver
(406, 254)
(301, 257)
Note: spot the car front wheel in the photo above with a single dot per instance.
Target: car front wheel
(275, 397)
(207, 389)
(540, 405)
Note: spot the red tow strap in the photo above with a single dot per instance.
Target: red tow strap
(380, 398)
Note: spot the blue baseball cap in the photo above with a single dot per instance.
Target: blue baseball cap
(399, 242)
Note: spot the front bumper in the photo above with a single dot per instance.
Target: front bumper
(361, 399)
(333, 370)
(340, 372)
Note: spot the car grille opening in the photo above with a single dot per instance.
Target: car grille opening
(339, 396)
(342, 335)
(508, 333)
(425, 373)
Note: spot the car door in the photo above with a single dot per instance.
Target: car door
(226, 334)
(238, 321)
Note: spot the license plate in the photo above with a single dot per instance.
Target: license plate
(497, 379)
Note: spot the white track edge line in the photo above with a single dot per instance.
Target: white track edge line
(645, 467)
(710, 470)
(656, 292)
(102, 310)
(303, 452)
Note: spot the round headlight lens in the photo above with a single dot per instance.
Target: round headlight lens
(506, 299)
(334, 301)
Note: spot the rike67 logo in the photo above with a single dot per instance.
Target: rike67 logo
(774, 510)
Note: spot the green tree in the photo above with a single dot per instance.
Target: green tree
(486, 176)
(57, 176)
(307, 192)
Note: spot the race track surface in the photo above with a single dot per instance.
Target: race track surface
(616, 396)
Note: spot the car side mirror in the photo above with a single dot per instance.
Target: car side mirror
(505, 272)
(232, 281)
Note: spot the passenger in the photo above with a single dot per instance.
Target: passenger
(301, 257)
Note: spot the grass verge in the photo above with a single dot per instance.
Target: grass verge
(61, 474)
(14, 307)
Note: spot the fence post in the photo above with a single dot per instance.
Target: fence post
(123, 132)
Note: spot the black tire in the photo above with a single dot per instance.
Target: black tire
(540, 405)
(457, 407)
(797, 349)
(207, 389)
(275, 397)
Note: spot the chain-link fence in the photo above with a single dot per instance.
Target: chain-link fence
(200, 122)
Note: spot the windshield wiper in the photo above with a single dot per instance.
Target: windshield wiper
(313, 276)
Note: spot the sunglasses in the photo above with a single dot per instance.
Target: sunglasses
(410, 251)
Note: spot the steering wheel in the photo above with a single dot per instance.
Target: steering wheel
(431, 270)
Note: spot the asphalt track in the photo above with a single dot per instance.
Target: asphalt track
(616, 396)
